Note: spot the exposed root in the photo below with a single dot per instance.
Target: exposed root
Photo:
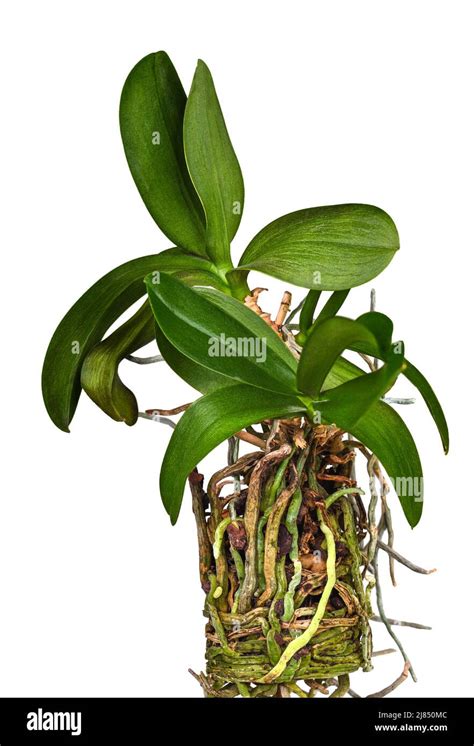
(399, 622)
(285, 560)
(403, 560)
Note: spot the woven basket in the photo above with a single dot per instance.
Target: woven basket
(281, 565)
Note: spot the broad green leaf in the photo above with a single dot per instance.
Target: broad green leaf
(202, 379)
(213, 165)
(382, 327)
(227, 338)
(151, 122)
(325, 248)
(210, 421)
(99, 373)
(251, 322)
(345, 404)
(199, 377)
(86, 322)
(384, 433)
(325, 343)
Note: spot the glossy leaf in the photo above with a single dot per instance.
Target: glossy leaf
(308, 309)
(330, 308)
(252, 323)
(200, 378)
(382, 326)
(325, 343)
(345, 404)
(151, 122)
(431, 400)
(210, 421)
(384, 433)
(200, 277)
(213, 165)
(332, 305)
(99, 373)
(87, 321)
(222, 335)
(325, 248)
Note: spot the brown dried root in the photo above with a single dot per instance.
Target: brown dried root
(283, 310)
(251, 301)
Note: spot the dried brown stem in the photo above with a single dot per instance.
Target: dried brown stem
(204, 545)
(284, 308)
(251, 302)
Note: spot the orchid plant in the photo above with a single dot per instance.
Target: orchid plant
(287, 547)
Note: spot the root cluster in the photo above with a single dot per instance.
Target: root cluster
(287, 589)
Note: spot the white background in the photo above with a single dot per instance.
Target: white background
(325, 103)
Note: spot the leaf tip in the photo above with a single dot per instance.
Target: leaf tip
(62, 423)
(201, 65)
(173, 519)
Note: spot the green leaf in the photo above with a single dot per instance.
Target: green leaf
(210, 421)
(86, 322)
(330, 308)
(325, 248)
(332, 305)
(99, 374)
(417, 379)
(151, 122)
(325, 343)
(213, 165)
(345, 404)
(382, 327)
(220, 333)
(200, 277)
(307, 312)
(200, 378)
(253, 323)
(384, 433)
